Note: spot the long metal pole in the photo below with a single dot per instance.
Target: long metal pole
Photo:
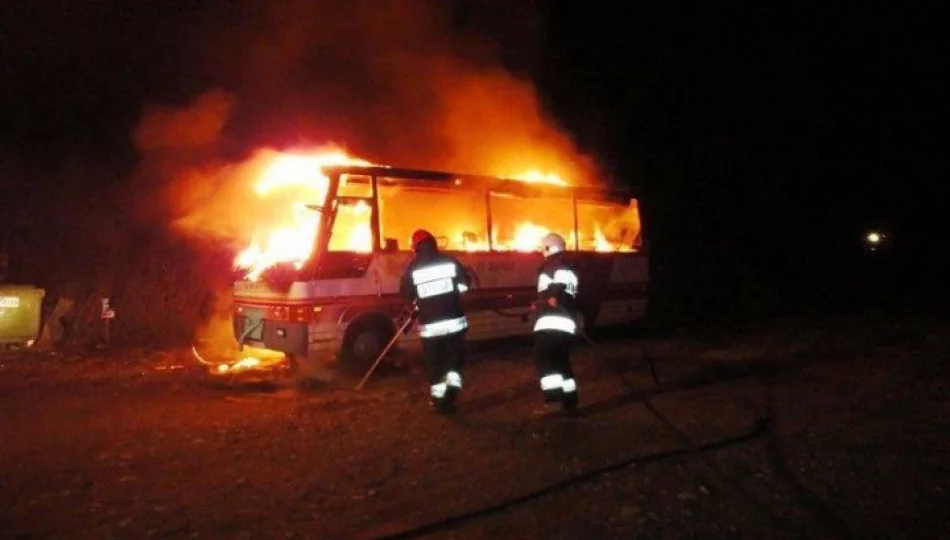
(488, 217)
(386, 350)
(577, 240)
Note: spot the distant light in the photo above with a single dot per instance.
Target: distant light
(874, 238)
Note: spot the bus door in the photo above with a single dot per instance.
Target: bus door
(352, 232)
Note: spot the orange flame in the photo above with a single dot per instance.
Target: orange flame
(527, 237)
(300, 178)
(534, 176)
(293, 241)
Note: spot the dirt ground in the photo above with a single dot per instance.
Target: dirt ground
(834, 427)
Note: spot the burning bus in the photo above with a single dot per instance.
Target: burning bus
(331, 302)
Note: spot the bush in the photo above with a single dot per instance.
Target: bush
(87, 243)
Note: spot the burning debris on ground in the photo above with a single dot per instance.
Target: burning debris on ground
(249, 361)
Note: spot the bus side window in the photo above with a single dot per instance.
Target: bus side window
(454, 215)
(608, 227)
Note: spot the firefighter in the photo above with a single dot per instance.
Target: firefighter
(435, 282)
(555, 324)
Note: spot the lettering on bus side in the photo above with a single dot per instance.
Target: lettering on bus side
(492, 267)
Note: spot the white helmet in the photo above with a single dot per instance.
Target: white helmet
(552, 243)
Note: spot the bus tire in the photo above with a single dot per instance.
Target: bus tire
(363, 342)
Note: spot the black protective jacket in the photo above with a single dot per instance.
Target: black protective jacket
(435, 282)
(557, 295)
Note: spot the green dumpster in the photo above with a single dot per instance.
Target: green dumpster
(20, 310)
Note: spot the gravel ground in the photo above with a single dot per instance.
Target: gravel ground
(822, 428)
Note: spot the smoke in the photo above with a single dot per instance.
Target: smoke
(393, 82)
(197, 125)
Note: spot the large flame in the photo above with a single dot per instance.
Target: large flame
(300, 179)
(293, 241)
(535, 176)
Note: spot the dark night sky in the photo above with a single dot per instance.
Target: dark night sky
(756, 131)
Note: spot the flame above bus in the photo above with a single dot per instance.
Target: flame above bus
(293, 241)
(302, 177)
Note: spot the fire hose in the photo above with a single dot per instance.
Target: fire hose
(477, 284)
(762, 423)
(688, 446)
(760, 427)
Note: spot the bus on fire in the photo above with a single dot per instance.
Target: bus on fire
(339, 308)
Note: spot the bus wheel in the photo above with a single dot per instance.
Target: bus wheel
(363, 343)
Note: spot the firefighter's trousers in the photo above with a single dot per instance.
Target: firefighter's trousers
(444, 360)
(552, 350)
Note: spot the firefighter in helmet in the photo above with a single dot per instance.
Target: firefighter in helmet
(555, 324)
(435, 282)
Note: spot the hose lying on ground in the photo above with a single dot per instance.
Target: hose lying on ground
(759, 428)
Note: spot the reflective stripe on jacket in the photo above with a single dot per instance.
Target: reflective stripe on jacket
(442, 328)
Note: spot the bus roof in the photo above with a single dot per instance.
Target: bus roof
(492, 183)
